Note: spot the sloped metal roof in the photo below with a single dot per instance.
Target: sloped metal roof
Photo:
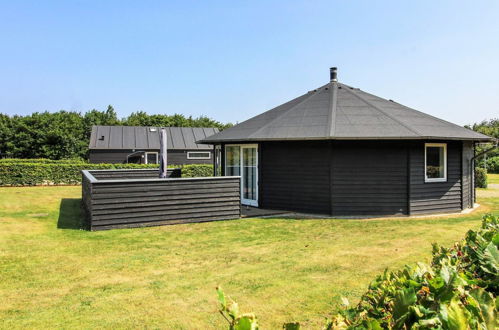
(147, 138)
(338, 111)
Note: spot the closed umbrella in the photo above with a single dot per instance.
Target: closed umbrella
(162, 154)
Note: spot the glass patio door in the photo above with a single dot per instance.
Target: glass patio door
(243, 160)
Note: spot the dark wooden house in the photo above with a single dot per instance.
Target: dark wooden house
(341, 151)
(136, 144)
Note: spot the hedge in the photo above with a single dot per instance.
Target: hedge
(457, 290)
(43, 161)
(44, 172)
(197, 170)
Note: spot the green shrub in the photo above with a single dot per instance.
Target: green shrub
(458, 290)
(480, 177)
(197, 170)
(43, 161)
(30, 172)
(493, 165)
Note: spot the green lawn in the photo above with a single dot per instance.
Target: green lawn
(493, 178)
(55, 276)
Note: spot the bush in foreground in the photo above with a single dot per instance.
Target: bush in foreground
(458, 290)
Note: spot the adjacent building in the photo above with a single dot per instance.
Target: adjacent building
(136, 144)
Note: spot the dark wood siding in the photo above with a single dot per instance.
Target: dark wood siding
(116, 203)
(134, 174)
(435, 197)
(369, 178)
(295, 176)
(175, 157)
(108, 156)
(466, 169)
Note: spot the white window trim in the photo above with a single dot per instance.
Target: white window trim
(205, 157)
(147, 153)
(444, 179)
(250, 202)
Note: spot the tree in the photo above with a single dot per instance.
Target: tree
(66, 134)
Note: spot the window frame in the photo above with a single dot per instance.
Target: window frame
(151, 152)
(217, 152)
(198, 158)
(426, 178)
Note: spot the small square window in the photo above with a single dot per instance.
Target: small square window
(151, 157)
(435, 162)
(198, 155)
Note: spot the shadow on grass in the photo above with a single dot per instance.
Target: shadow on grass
(70, 214)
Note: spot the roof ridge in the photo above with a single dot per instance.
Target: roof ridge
(333, 102)
(351, 91)
(316, 92)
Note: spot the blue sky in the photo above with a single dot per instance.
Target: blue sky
(231, 60)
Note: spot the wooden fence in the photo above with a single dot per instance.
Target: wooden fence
(136, 198)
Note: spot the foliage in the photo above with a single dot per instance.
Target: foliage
(197, 170)
(66, 134)
(43, 161)
(493, 164)
(487, 127)
(490, 128)
(25, 172)
(30, 174)
(480, 177)
(230, 312)
(458, 290)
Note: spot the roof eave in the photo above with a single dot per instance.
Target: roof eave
(477, 139)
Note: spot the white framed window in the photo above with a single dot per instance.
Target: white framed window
(435, 159)
(151, 158)
(198, 155)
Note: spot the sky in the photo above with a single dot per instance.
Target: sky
(231, 60)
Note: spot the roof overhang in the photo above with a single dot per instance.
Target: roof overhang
(398, 138)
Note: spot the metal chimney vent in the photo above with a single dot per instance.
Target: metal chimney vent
(333, 74)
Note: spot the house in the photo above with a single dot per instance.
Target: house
(136, 144)
(341, 151)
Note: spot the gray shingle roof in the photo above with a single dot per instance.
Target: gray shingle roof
(147, 138)
(338, 111)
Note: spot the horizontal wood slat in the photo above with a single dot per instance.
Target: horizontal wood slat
(436, 197)
(137, 203)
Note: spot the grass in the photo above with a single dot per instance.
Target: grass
(493, 178)
(53, 275)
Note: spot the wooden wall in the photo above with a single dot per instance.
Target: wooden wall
(435, 197)
(112, 202)
(294, 176)
(134, 174)
(349, 178)
(176, 157)
(369, 178)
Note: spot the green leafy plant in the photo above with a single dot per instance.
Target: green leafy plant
(230, 312)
